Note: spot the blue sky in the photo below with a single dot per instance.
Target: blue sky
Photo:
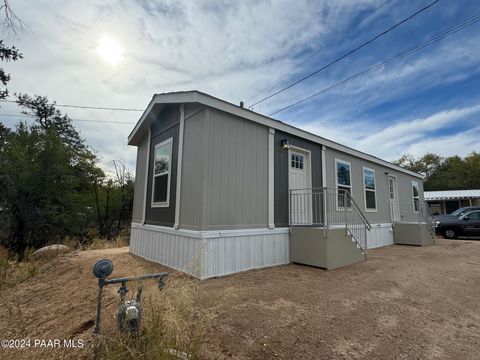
(426, 102)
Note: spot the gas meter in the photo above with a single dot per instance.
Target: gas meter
(129, 312)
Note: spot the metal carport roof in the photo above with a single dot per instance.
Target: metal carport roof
(451, 194)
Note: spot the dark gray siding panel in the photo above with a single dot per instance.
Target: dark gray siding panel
(193, 170)
(281, 173)
(168, 117)
(167, 125)
(139, 190)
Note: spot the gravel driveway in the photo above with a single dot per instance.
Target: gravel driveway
(405, 302)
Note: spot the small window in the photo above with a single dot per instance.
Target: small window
(344, 182)
(297, 161)
(391, 188)
(161, 174)
(370, 189)
(415, 196)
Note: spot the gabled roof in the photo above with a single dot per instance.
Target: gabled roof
(451, 194)
(183, 97)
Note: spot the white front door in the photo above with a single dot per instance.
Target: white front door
(299, 179)
(393, 194)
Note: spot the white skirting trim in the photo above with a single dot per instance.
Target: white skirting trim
(380, 235)
(206, 254)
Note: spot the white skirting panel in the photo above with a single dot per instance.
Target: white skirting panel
(206, 254)
(380, 235)
(176, 251)
(228, 255)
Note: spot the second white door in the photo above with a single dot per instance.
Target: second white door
(299, 180)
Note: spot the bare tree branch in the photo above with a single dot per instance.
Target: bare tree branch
(12, 24)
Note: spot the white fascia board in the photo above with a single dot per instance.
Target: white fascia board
(140, 121)
(208, 100)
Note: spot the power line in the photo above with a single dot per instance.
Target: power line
(348, 53)
(86, 120)
(84, 107)
(436, 38)
(273, 82)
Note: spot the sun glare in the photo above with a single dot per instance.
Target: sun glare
(110, 50)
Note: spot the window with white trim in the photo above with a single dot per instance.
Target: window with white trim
(369, 187)
(415, 196)
(161, 173)
(343, 171)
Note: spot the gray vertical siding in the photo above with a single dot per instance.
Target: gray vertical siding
(224, 172)
(139, 189)
(406, 198)
(383, 201)
(166, 126)
(236, 172)
(281, 172)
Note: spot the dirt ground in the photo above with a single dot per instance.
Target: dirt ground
(403, 303)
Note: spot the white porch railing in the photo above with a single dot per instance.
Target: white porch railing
(326, 207)
(413, 212)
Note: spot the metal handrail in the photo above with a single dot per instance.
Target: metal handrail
(428, 217)
(359, 212)
(320, 207)
(406, 209)
(355, 223)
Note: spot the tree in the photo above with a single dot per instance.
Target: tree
(49, 179)
(46, 175)
(7, 54)
(114, 201)
(426, 165)
(450, 173)
(11, 22)
(52, 186)
(49, 118)
(457, 173)
(472, 164)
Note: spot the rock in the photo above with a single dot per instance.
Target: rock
(50, 251)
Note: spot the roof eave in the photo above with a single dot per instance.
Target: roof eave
(195, 96)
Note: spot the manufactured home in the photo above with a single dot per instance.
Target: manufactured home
(221, 189)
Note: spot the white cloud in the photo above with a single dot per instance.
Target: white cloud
(222, 48)
(414, 136)
(229, 49)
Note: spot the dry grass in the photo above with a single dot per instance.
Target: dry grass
(95, 243)
(173, 326)
(106, 244)
(13, 271)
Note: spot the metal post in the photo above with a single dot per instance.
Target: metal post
(290, 208)
(102, 269)
(366, 243)
(96, 331)
(325, 206)
(345, 211)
